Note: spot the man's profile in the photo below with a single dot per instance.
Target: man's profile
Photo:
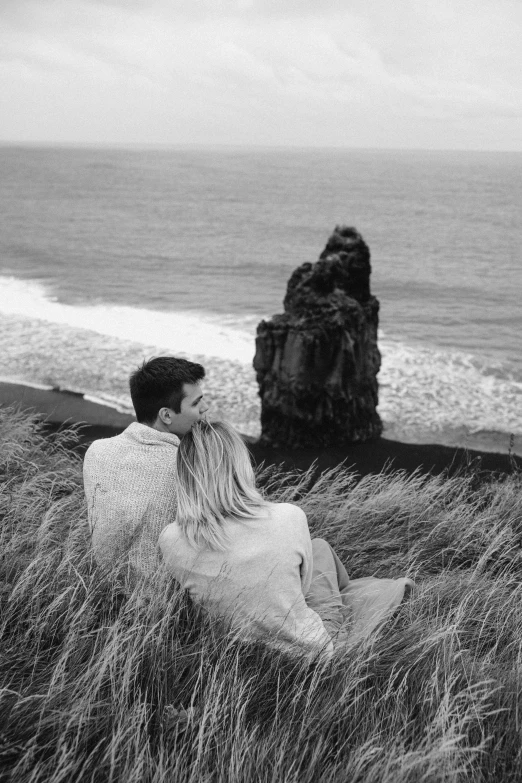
(130, 479)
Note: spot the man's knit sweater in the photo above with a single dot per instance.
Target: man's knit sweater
(130, 486)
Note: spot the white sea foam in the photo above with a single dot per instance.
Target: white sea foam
(427, 394)
(185, 331)
(109, 401)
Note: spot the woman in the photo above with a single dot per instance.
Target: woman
(252, 561)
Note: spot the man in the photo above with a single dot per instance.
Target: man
(130, 479)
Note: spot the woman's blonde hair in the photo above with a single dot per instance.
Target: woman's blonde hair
(215, 482)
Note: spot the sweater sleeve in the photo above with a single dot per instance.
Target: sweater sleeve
(305, 546)
(317, 638)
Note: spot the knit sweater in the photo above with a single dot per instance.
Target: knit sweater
(259, 583)
(130, 485)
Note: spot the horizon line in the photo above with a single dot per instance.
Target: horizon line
(239, 146)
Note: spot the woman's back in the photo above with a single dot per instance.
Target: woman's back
(259, 582)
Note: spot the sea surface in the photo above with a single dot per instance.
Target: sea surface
(109, 254)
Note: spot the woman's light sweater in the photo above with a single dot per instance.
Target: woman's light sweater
(130, 484)
(259, 583)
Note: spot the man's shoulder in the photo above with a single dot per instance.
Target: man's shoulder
(104, 444)
(104, 447)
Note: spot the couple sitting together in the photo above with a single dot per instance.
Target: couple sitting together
(175, 491)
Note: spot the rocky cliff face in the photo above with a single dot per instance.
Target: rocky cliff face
(317, 363)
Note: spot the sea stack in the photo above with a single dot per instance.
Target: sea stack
(317, 363)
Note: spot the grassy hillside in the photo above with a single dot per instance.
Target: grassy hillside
(96, 687)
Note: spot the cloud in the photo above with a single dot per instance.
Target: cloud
(261, 71)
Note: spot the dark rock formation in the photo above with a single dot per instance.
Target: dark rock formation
(317, 363)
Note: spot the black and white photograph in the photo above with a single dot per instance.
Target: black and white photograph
(260, 391)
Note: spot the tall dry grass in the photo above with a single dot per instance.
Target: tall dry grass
(96, 686)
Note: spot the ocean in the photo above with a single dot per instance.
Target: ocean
(111, 255)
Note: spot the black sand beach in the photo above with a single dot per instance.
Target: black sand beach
(99, 421)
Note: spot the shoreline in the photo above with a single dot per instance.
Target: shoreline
(425, 396)
(60, 407)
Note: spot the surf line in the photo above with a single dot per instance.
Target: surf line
(111, 404)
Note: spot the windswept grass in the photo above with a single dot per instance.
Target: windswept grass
(99, 687)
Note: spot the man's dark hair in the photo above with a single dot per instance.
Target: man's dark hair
(158, 383)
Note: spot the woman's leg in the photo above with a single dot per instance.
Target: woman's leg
(329, 577)
(368, 601)
(372, 601)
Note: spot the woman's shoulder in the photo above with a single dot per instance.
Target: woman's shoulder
(169, 536)
(288, 512)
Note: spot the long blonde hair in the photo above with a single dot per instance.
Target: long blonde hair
(215, 482)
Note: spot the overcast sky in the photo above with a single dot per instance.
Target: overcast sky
(356, 73)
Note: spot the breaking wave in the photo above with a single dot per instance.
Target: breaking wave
(427, 394)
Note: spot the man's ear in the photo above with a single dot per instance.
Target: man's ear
(165, 415)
